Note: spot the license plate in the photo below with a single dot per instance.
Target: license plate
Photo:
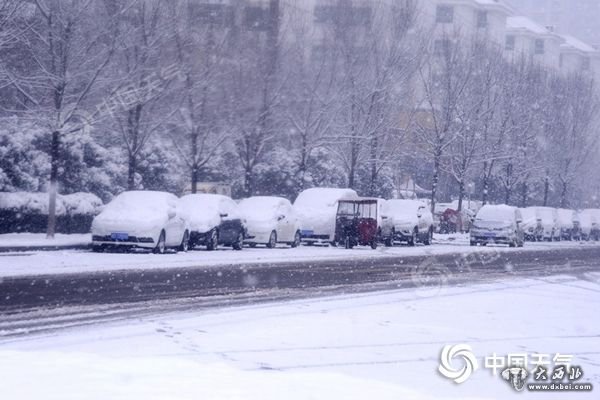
(307, 233)
(119, 236)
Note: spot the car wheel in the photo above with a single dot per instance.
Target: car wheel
(272, 243)
(297, 240)
(374, 244)
(213, 241)
(185, 242)
(239, 243)
(414, 238)
(389, 241)
(161, 246)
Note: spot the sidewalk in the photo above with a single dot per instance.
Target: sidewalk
(38, 242)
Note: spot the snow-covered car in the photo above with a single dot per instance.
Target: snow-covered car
(213, 220)
(584, 223)
(141, 219)
(408, 221)
(532, 228)
(548, 219)
(594, 217)
(317, 208)
(270, 220)
(566, 223)
(498, 224)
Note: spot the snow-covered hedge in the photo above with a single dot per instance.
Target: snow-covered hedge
(28, 212)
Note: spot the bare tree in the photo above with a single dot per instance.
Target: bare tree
(571, 128)
(202, 53)
(70, 47)
(444, 78)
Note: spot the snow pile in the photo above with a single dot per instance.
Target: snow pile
(317, 208)
(37, 203)
(29, 203)
(84, 376)
(82, 204)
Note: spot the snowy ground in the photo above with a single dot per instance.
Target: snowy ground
(379, 345)
(24, 240)
(69, 261)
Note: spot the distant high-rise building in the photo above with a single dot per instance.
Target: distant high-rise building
(575, 17)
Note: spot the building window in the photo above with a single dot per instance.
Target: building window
(585, 64)
(444, 14)
(539, 46)
(510, 43)
(441, 47)
(482, 19)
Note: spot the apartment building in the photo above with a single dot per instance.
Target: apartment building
(465, 18)
(577, 56)
(528, 39)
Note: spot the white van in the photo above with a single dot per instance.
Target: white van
(316, 208)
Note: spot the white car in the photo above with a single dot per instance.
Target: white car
(566, 223)
(548, 219)
(594, 219)
(408, 221)
(270, 220)
(584, 224)
(499, 224)
(531, 226)
(141, 219)
(317, 208)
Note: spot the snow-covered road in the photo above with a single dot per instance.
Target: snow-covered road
(379, 345)
(69, 261)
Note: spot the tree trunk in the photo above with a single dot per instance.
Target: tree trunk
(194, 179)
(461, 194)
(546, 190)
(373, 180)
(131, 170)
(563, 195)
(53, 189)
(437, 159)
(524, 195)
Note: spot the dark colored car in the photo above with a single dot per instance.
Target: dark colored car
(356, 223)
(213, 220)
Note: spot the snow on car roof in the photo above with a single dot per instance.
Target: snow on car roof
(320, 197)
(205, 199)
(496, 212)
(400, 205)
(145, 199)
